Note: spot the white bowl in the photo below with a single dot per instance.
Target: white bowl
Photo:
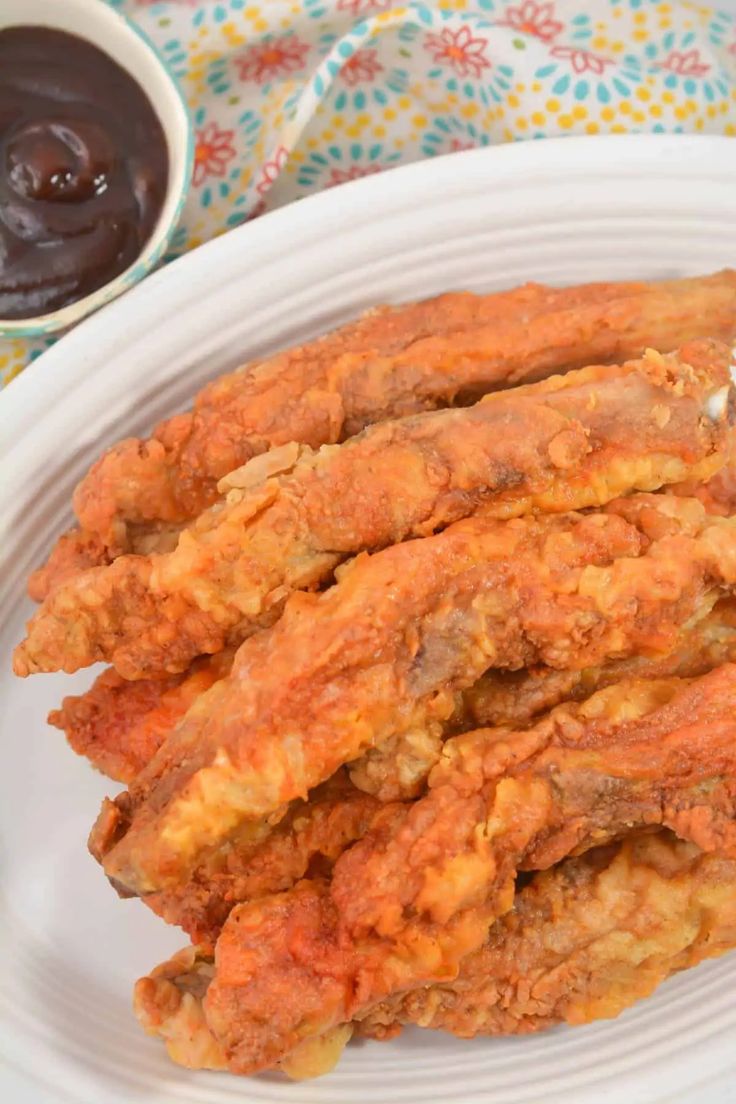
(126, 44)
(562, 210)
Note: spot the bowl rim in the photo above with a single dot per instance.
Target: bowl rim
(179, 184)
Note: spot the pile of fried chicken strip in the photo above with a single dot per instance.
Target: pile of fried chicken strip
(421, 646)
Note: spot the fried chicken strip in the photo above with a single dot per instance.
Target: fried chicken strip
(306, 842)
(420, 891)
(168, 1004)
(387, 649)
(398, 769)
(392, 362)
(120, 725)
(337, 815)
(718, 494)
(565, 443)
(78, 550)
(516, 697)
(584, 941)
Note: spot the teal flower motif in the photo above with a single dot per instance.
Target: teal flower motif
(579, 30)
(448, 134)
(44, 343)
(363, 81)
(215, 13)
(408, 33)
(687, 67)
(338, 164)
(584, 73)
(177, 245)
(249, 125)
(176, 56)
(316, 9)
(722, 30)
(217, 77)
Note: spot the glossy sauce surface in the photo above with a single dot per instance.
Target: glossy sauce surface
(83, 170)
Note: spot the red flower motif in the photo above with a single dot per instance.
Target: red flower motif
(457, 145)
(213, 152)
(581, 60)
(685, 65)
(270, 170)
(362, 7)
(340, 176)
(460, 50)
(258, 210)
(533, 19)
(732, 47)
(361, 67)
(275, 58)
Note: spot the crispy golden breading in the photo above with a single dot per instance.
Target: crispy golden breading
(306, 842)
(516, 697)
(168, 1004)
(420, 891)
(74, 551)
(392, 362)
(565, 443)
(584, 941)
(336, 815)
(120, 725)
(423, 671)
(718, 494)
(78, 550)
(398, 768)
(386, 650)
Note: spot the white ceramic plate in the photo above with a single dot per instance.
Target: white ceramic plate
(560, 210)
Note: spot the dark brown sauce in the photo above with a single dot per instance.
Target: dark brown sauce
(83, 170)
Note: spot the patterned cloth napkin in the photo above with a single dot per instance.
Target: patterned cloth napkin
(292, 96)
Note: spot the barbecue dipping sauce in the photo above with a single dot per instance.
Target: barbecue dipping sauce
(83, 170)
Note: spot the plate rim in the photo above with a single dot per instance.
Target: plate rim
(174, 281)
